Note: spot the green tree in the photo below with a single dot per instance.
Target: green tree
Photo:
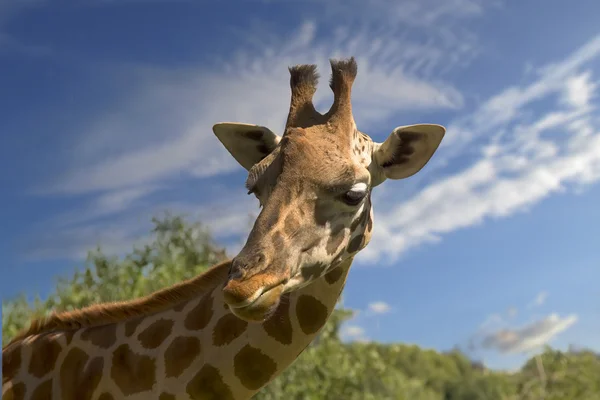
(555, 375)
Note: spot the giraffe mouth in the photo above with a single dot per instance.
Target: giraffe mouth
(261, 305)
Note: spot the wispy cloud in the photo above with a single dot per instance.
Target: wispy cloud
(228, 218)
(159, 134)
(379, 307)
(107, 203)
(179, 107)
(502, 334)
(528, 337)
(520, 162)
(10, 9)
(74, 243)
(353, 333)
(539, 300)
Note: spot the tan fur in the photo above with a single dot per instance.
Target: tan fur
(108, 313)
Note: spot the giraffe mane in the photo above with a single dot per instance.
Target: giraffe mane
(112, 312)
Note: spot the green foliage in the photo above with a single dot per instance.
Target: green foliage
(328, 368)
(561, 375)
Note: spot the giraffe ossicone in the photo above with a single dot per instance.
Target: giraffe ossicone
(228, 332)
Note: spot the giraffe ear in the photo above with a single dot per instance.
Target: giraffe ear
(248, 144)
(406, 151)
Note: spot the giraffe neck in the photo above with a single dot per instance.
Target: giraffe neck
(195, 349)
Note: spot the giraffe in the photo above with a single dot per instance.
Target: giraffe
(227, 333)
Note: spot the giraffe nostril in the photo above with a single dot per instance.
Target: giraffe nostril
(237, 269)
(243, 266)
(236, 275)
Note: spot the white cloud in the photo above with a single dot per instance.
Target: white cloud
(353, 330)
(163, 130)
(107, 203)
(528, 337)
(228, 218)
(379, 307)
(539, 300)
(74, 243)
(354, 333)
(495, 113)
(167, 126)
(579, 90)
(491, 321)
(501, 334)
(521, 162)
(118, 200)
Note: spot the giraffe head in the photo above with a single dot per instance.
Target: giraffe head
(314, 186)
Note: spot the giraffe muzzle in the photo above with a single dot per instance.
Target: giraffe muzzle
(255, 298)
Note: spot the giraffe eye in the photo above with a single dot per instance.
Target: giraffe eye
(354, 197)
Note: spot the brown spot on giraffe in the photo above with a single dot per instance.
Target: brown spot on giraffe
(355, 244)
(180, 354)
(90, 378)
(291, 224)
(200, 315)
(278, 240)
(43, 391)
(253, 367)
(180, 306)
(132, 372)
(208, 384)
(131, 325)
(358, 221)
(334, 275)
(311, 313)
(227, 329)
(16, 392)
(44, 354)
(313, 271)
(279, 326)
(156, 333)
(79, 376)
(11, 362)
(75, 360)
(335, 240)
(101, 336)
(68, 336)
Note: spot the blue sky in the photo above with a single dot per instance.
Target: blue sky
(106, 115)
